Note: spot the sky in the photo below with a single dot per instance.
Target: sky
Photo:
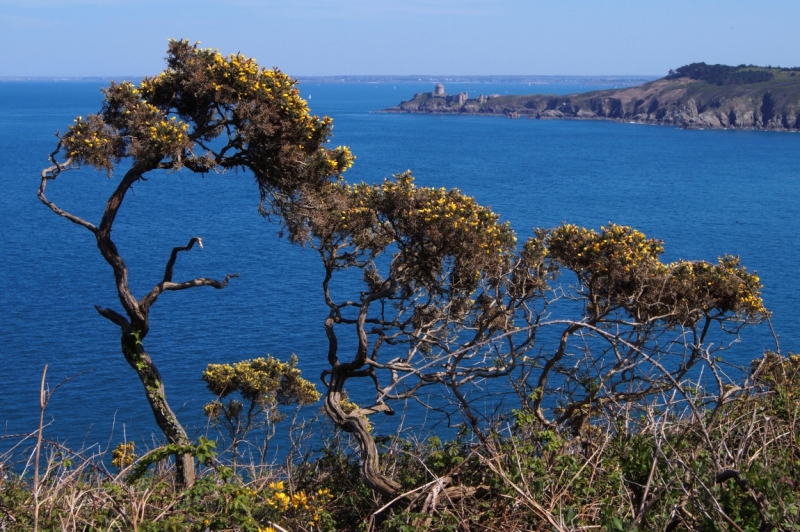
(79, 38)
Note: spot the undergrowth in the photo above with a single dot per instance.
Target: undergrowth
(690, 461)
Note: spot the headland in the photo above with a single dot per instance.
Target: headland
(696, 96)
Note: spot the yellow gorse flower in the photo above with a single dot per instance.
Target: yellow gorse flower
(123, 455)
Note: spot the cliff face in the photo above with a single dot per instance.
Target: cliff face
(773, 104)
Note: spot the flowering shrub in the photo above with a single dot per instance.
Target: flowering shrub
(263, 384)
(621, 268)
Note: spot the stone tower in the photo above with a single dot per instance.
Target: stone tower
(439, 90)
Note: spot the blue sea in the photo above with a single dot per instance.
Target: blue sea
(705, 193)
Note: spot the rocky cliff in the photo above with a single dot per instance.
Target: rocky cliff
(746, 97)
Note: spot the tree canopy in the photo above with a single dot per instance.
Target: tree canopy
(209, 112)
(722, 74)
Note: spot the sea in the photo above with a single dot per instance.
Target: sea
(704, 193)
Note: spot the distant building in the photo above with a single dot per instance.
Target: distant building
(460, 98)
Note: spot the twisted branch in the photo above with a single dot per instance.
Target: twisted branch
(51, 172)
(166, 284)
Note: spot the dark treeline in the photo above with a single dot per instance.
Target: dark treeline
(726, 75)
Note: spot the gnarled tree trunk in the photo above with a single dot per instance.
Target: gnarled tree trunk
(165, 418)
(356, 424)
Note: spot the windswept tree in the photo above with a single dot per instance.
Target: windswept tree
(581, 322)
(204, 113)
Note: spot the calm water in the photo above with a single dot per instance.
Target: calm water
(705, 193)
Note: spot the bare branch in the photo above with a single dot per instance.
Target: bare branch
(200, 281)
(174, 256)
(113, 316)
(51, 172)
(166, 284)
(148, 300)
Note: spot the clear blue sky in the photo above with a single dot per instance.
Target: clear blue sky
(323, 37)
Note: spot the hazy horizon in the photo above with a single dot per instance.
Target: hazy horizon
(409, 78)
(312, 38)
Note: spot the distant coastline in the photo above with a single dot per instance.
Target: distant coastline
(696, 96)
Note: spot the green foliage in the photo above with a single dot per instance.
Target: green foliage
(204, 451)
(722, 74)
(335, 471)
